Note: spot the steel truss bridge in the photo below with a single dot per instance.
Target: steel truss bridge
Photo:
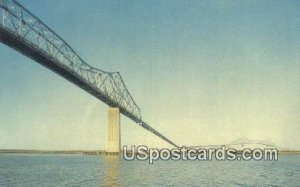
(24, 32)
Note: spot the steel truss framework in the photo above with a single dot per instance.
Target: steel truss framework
(27, 34)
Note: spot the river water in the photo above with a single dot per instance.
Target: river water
(79, 170)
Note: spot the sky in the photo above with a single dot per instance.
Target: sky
(202, 72)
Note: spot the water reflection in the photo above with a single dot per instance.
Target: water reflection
(112, 169)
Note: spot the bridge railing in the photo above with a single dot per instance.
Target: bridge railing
(18, 20)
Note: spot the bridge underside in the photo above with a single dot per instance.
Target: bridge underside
(47, 61)
(32, 51)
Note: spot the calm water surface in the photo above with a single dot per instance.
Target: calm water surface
(78, 170)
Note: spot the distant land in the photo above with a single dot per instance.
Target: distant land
(96, 152)
(238, 144)
(29, 151)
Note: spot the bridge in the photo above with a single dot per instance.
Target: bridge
(27, 34)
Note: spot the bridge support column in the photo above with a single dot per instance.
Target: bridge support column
(113, 132)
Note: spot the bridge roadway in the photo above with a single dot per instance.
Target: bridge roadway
(18, 42)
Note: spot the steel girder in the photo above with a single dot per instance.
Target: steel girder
(26, 33)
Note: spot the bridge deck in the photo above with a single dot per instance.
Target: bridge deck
(47, 61)
(24, 32)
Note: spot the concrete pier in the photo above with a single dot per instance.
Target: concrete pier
(113, 132)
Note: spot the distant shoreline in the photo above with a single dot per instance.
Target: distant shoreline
(94, 152)
(29, 151)
(286, 152)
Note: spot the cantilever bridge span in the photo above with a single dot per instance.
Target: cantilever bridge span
(24, 32)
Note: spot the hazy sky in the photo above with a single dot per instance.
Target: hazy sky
(203, 72)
